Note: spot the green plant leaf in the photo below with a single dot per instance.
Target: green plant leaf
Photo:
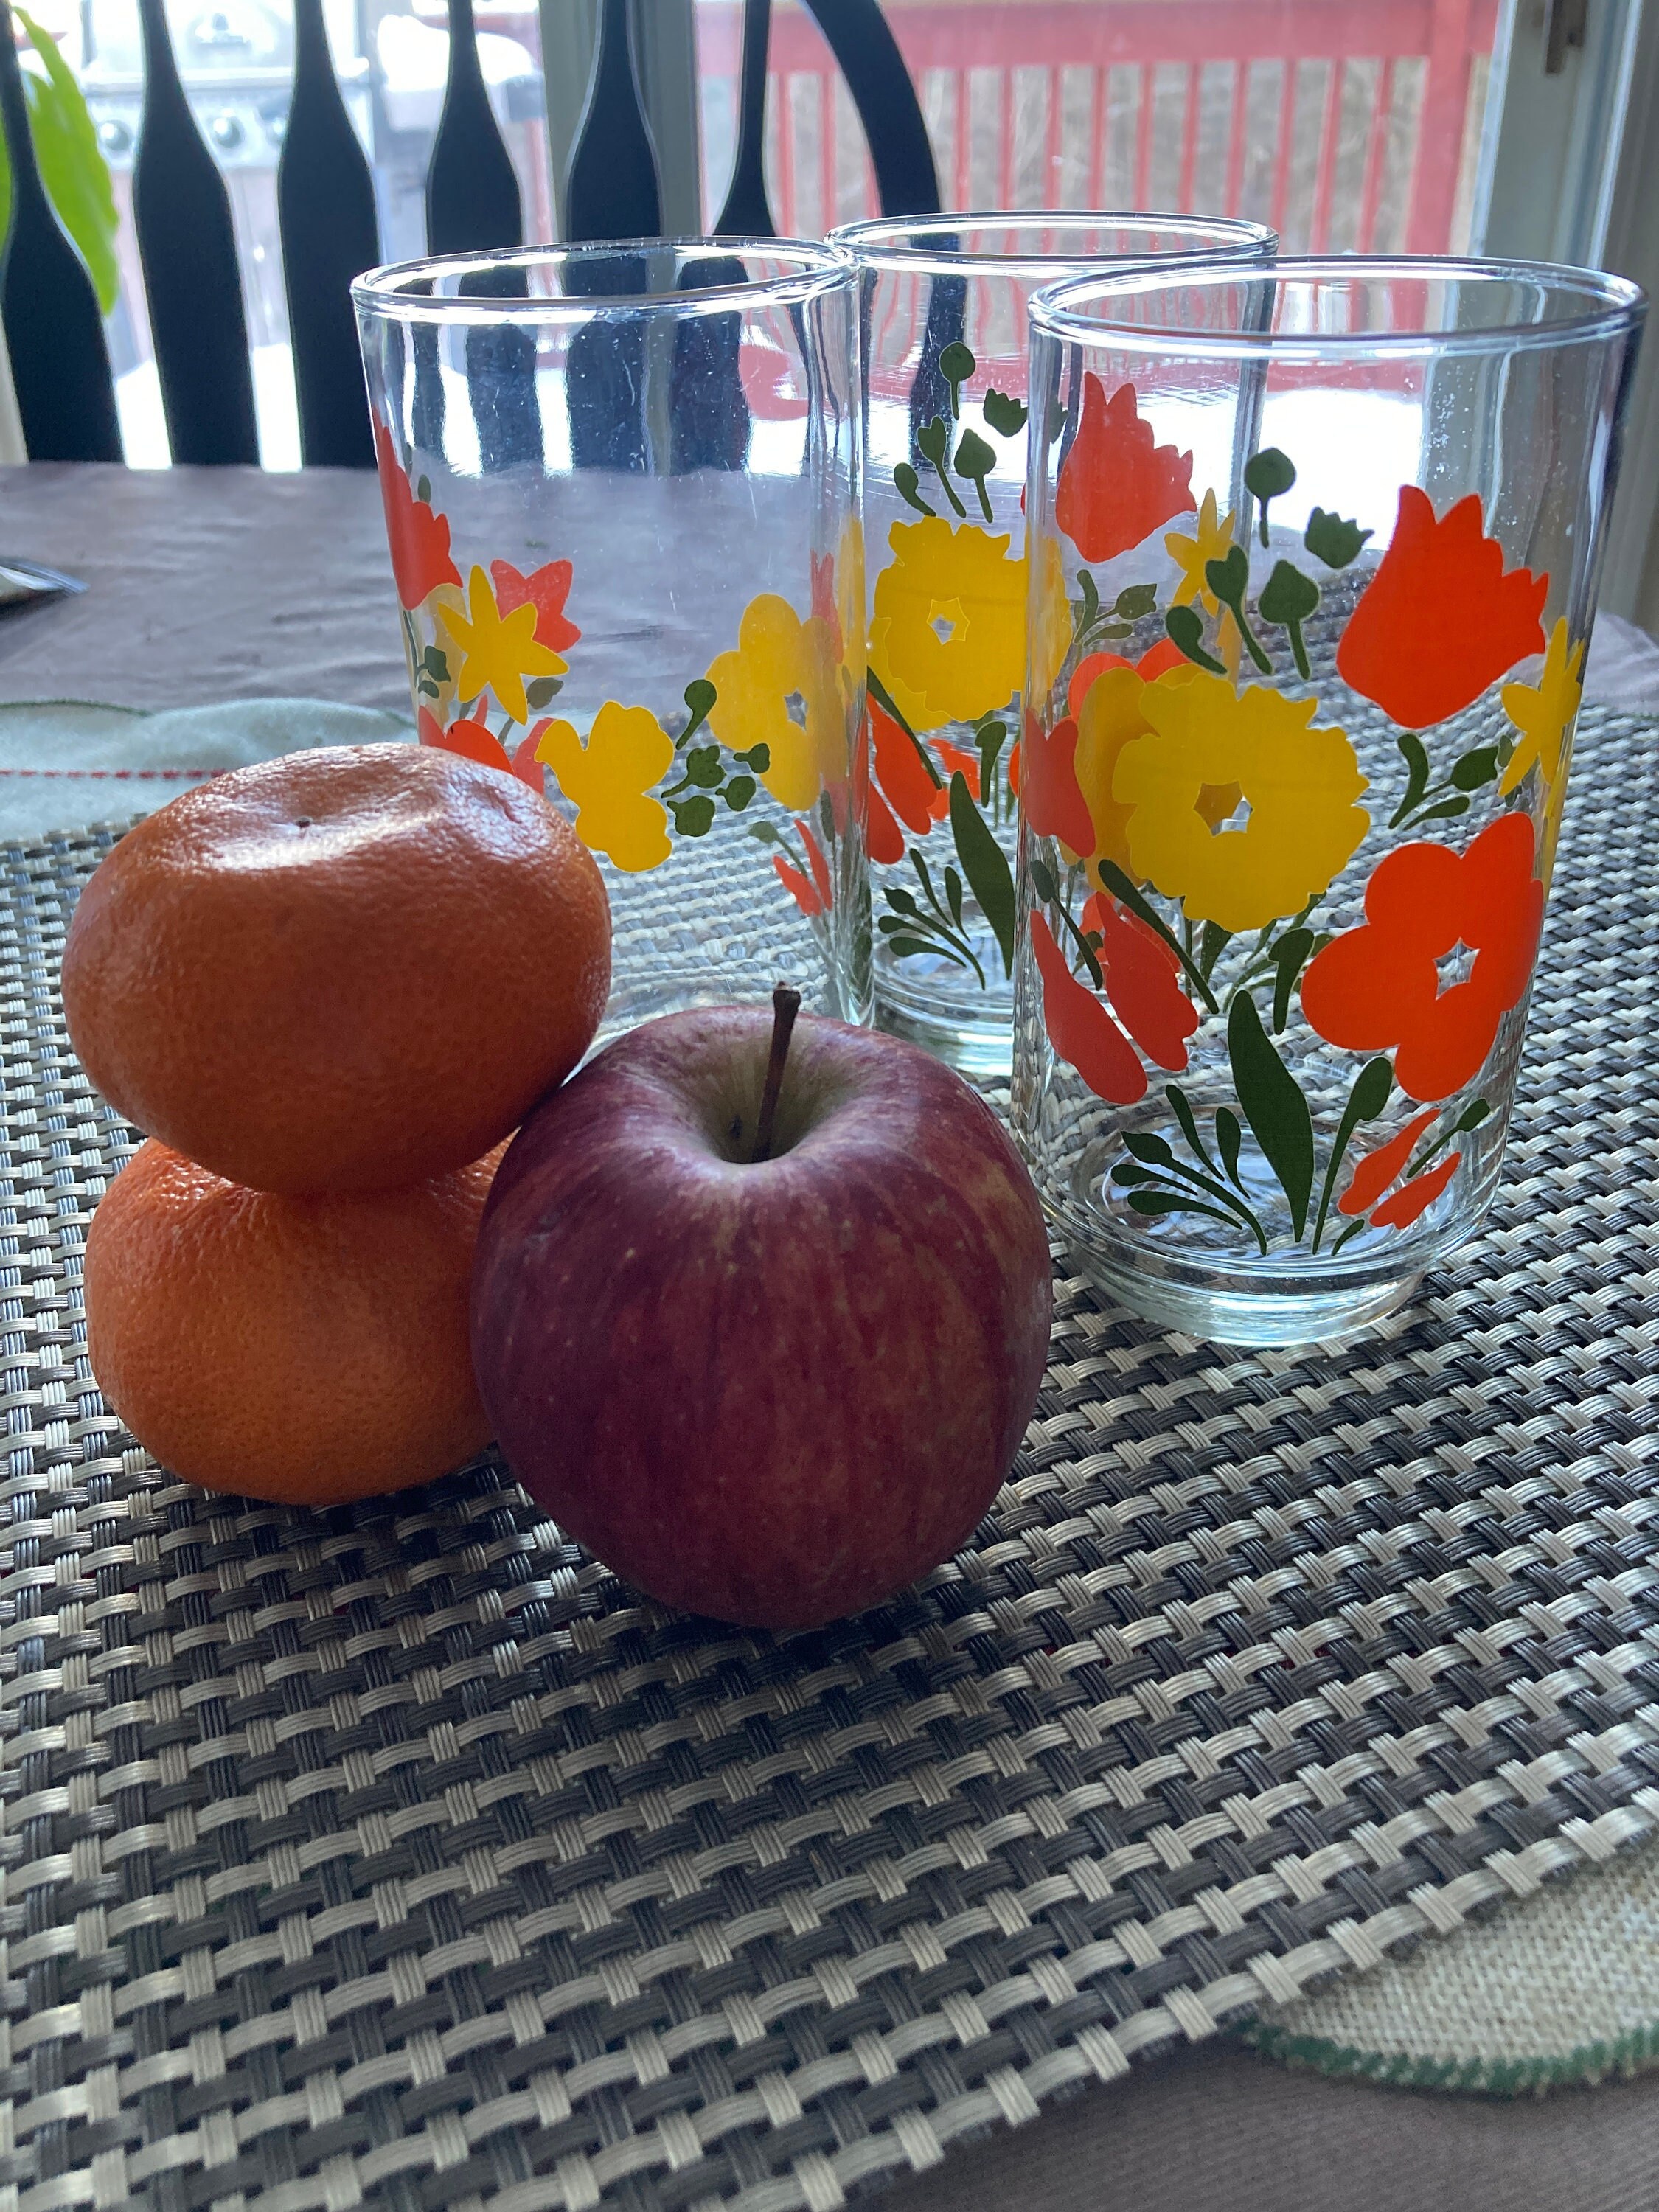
(693, 818)
(1266, 474)
(1332, 540)
(1273, 1106)
(1005, 414)
(985, 866)
(990, 737)
(1229, 1135)
(702, 766)
(759, 758)
(956, 363)
(1128, 894)
(762, 833)
(1474, 768)
(1185, 628)
(1136, 602)
(1287, 599)
(1043, 882)
(1211, 944)
(933, 443)
(906, 483)
(542, 693)
(71, 164)
(738, 793)
(1166, 1201)
(1183, 1114)
(1444, 809)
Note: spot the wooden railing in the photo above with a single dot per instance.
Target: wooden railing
(1346, 124)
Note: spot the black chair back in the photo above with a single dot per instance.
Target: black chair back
(328, 230)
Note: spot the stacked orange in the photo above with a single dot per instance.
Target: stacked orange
(327, 988)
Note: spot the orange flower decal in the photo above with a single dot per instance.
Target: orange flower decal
(1141, 973)
(1378, 986)
(1374, 1173)
(1079, 1028)
(883, 839)
(419, 539)
(1158, 661)
(1053, 800)
(473, 739)
(809, 892)
(1116, 486)
(546, 590)
(903, 775)
(1440, 620)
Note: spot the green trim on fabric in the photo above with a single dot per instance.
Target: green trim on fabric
(1590, 2062)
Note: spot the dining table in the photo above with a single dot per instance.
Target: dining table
(210, 586)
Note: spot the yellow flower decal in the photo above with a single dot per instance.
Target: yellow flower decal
(497, 650)
(1054, 637)
(1111, 714)
(1543, 712)
(1190, 554)
(628, 750)
(779, 689)
(948, 637)
(1300, 785)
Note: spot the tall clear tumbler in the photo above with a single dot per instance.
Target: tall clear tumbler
(1285, 846)
(621, 487)
(943, 302)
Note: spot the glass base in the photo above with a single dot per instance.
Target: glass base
(1217, 1315)
(982, 1051)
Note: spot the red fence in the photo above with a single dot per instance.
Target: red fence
(1345, 123)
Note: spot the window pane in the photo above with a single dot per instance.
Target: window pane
(1350, 124)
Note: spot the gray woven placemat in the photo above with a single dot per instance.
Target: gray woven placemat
(399, 1854)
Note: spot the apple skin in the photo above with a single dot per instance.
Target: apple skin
(771, 1392)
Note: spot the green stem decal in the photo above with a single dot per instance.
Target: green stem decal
(933, 443)
(884, 699)
(1229, 580)
(1273, 1106)
(1126, 893)
(1266, 474)
(1185, 626)
(1287, 600)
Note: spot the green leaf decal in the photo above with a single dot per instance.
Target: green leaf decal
(1290, 955)
(1211, 944)
(1273, 1106)
(1128, 894)
(1185, 628)
(976, 460)
(1445, 810)
(985, 866)
(1288, 599)
(694, 818)
(956, 363)
(906, 481)
(1474, 768)
(699, 695)
(759, 758)
(1332, 540)
(1266, 474)
(933, 443)
(542, 693)
(1366, 1100)
(1043, 882)
(702, 765)
(1005, 414)
(71, 163)
(1136, 602)
(1229, 1135)
(1166, 1201)
(1230, 578)
(738, 793)
(1416, 775)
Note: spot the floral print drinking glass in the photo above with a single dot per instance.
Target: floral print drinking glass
(943, 302)
(621, 488)
(1287, 827)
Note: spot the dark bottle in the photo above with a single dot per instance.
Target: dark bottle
(326, 207)
(181, 212)
(54, 332)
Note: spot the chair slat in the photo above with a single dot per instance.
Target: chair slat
(330, 235)
(54, 332)
(612, 190)
(187, 248)
(747, 212)
(472, 203)
(901, 151)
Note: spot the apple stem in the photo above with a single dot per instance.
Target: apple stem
(786, 1005)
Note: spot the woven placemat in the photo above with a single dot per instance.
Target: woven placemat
(1560, 1992)
(399, 1854)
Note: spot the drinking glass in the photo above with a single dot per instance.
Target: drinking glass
(1284, 846)
(943, 305)
(621, 487)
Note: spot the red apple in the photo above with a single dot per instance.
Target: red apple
(772, 1389)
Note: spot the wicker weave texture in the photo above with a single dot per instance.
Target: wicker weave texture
(400, 1855)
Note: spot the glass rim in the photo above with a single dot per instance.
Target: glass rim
(891, 243)
(817, 268)
(1060, 311)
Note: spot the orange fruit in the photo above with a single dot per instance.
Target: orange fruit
(344, 970)
(306, 1350)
